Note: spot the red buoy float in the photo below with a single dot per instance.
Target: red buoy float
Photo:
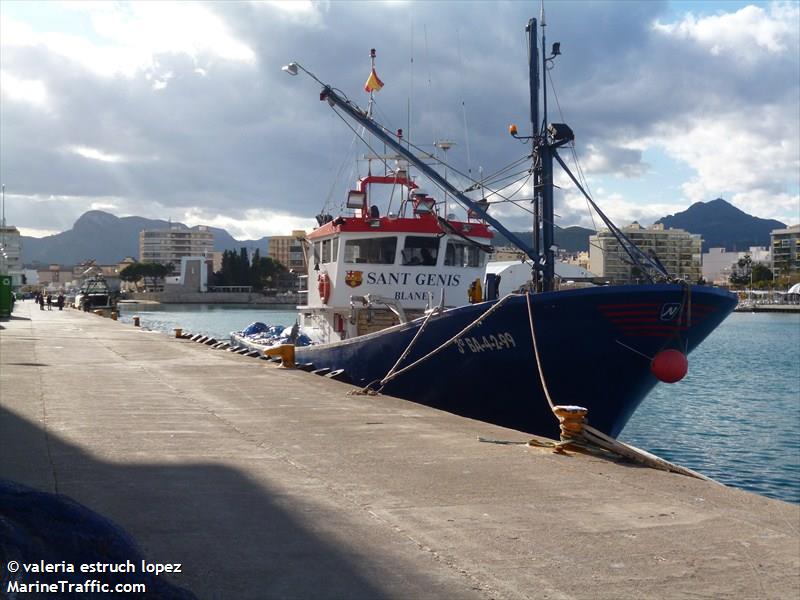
(324, 287)
(669, 366)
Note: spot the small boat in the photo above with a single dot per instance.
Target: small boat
(400, 302)
(94, 294)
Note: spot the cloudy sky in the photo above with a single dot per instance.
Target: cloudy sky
(181, 110)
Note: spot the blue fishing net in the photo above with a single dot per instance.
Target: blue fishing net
(37, 526)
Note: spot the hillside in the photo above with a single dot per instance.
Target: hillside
(571, 239)
(722, 225)
(108, 239)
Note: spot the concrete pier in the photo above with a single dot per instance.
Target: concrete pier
(270, 483)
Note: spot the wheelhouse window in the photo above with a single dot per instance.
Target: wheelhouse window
(462, 254)
(419, 250)
(377, 251)
(326, 251)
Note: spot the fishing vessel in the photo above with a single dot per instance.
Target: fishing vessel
(400, 302)
(94, 294)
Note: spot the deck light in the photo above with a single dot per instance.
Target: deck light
(356, 199)
(291, 68)
(512, 129)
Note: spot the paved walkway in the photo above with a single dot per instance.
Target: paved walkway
(268, 483)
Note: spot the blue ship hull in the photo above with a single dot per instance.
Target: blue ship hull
(593, 345)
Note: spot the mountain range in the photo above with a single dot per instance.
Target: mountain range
(722, 225)
(108, 239)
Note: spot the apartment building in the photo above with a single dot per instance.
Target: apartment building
(11, 254)
(168, 246)
(785, 245)
(678, 250)
(288, 250)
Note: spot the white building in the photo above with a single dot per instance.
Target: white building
(194, 274)
(515, 274)
(169, 246)
(719, 265)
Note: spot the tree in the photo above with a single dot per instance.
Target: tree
(155, 272)
(761, 273)
(132, 273)
(137, 271)
(741, 276)
(236, 269)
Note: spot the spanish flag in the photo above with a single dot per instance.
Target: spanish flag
(373, 83)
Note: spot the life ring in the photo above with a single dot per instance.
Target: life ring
(324, 287)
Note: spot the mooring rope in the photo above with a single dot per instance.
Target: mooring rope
(390, 376)
(410, 346)
(574, 429)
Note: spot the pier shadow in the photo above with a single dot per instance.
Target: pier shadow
(234, 537)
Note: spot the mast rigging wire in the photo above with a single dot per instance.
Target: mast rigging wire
(419, 149)
(527, 172)
(572, 147)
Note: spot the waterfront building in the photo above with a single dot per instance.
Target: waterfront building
(288, 250)
(678, 250)
(168, 246)
(195, 272)
(55, 277)
(719, 264)
(506, 253)
(785, 244)
(11, 254)
(579, 259)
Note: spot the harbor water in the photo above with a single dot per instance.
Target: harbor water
(735, 417)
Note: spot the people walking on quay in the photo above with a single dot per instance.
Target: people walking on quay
(60, 301)
(40, 300)
(49, 301)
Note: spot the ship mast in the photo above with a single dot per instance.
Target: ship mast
(533, 79)
(543, 226)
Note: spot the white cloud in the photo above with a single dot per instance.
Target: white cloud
(95, 154)
(29, 91)
(619, 158)
(253, 224)
(104, 205)
(126, 38)
(619, 209)
(308, 13)
(161, 107)
(747, 165)
(750, 33)
(37, 233)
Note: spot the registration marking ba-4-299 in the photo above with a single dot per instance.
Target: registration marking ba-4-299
(500, 341)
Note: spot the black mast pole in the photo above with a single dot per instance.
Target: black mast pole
(547, 184)
(533, 77)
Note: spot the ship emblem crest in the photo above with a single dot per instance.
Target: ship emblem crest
(670, 311)
(353, 278)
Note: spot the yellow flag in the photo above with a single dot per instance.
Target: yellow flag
(373, 83)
